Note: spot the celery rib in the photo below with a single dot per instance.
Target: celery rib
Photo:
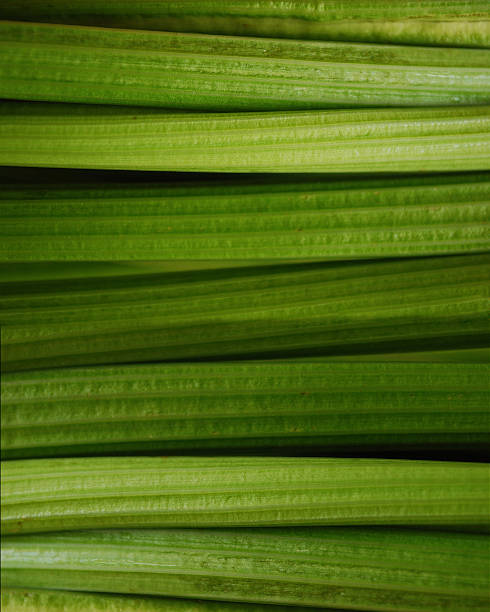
(367, 569)
(377, 140)
(91, 493)
(426, 22)
(198, 407)
(336, 220)
(57, 63)
(298, 310)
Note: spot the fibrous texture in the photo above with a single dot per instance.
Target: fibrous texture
(424, 22)
(363, 569)
(124, 138)
(199, 72)
(295, 310)
(246, 406)
(232, 220)
(64, 494)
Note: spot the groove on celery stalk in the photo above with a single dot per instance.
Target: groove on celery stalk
(45, 600)
(45, 183)
(299, 310)
(428, 22)
(60, 63)
(107, 492)
(198, 407)
(366, 569)
(331, 220)
(373, 140)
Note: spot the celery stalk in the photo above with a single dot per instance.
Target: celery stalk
(122, 138)
(109, 492)
(349, 568)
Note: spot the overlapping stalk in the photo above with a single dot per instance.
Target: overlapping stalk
(244, 305)
(263, 312)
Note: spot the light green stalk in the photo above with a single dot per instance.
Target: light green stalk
(386, 140)
(109, 492)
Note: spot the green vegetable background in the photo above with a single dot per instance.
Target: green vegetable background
(244, 305)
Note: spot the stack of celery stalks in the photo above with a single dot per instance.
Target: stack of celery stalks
(244, 296)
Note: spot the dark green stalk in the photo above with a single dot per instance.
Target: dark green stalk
(426, 304)
(245, 406)
(234, 221)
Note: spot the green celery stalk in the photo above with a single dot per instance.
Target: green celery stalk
(298, 310)
(62, 63)
(431, 22)
(109, 492)
(349, 568)
(373, 140)
(328, 220)
(251, 406)
(46, 600)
